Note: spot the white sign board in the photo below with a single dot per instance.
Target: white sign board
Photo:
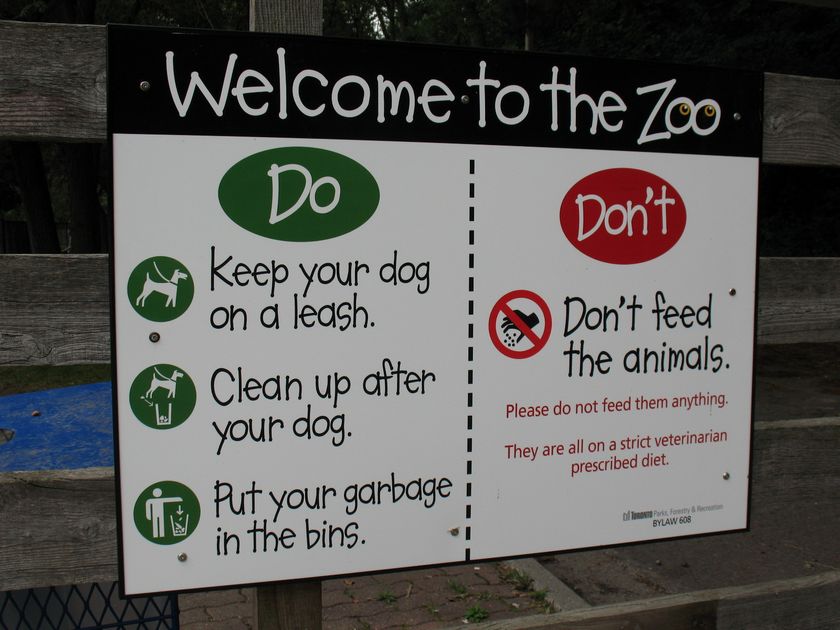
(354, 344)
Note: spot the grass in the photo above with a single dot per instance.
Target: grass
(18, 380)
(519, 580)
(433, 611)
(387, 597)
(541, 598)
(523, 583)
(459, 589)
(476, 614)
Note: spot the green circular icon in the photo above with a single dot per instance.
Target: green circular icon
(162, 396)
(160, 288)
(166, 512)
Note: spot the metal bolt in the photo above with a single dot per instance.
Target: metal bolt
(732, 291)
(465, 99)
(145, 86)
(726, 476)
(454, 531)
(154, 337)
(736, 116)
(182, 557)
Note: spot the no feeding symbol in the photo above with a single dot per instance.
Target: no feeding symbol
(520, 324)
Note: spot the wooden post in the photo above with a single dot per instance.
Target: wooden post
(304, 17)
(290, 605)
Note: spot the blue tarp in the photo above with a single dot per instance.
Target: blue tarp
(73, 429)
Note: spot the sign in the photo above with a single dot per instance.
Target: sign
(383, 305)
(516, 334)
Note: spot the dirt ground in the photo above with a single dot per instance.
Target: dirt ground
(425, 599)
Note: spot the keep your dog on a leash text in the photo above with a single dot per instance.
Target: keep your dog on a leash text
(299, 285)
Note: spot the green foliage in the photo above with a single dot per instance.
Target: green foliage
(754, 34)
(218, 14)
(386, 597)
(519, 580)
(476, 614)
(433, 611)
(541, 598)
(215, 14)
(349, 18)
(458, 588)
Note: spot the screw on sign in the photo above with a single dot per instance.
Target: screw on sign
(520, 324)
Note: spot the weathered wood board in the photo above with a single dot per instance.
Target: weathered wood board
(801, 120)
(64, 524)
(52, 82)
(54, 310)
(798, 300)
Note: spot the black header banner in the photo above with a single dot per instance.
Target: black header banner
(187, 82)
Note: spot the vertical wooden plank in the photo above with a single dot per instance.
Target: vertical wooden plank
(302, 17)
(290, 605)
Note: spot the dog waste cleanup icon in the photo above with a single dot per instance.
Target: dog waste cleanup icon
(160, 288)
(162, 396)
(166, 512)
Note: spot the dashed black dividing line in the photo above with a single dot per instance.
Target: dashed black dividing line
(470, 355)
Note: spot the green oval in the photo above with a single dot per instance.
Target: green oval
(259, 193)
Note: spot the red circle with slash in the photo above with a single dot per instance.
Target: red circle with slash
(503, 307)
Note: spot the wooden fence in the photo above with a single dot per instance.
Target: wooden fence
(55, 310)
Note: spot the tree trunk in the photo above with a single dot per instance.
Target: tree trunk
(82, 162)
(40, 222)
(475, 31)
(301, 17)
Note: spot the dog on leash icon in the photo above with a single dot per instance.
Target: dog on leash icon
(168, 287)
(160, 288)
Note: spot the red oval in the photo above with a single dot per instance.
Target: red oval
(623, 216)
